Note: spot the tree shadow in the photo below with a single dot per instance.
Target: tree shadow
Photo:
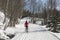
(34, 31)
(37, 31)
(11, 36)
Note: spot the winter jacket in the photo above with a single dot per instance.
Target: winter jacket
(26, 24)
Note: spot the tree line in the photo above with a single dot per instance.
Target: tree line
(14, 9)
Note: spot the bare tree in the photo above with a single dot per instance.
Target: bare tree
(33, 8)
(15, 6)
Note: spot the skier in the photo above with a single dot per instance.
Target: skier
(26, 26)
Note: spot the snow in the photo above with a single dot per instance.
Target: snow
(28, 19)
(10, 30)
(2, 16)
(38, 22)
(35, 32)
(1, 25)
(2, 35)
(57, 34)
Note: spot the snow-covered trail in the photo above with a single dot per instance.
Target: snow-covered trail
(36, 32)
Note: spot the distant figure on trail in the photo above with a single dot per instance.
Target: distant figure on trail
(26, 26)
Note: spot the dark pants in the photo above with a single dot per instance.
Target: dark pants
(26, 29)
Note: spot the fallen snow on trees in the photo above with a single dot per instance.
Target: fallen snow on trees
(3, 35)
(2, 16)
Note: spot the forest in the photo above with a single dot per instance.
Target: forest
(14, 9)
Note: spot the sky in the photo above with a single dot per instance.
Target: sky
(30, 8)
(58, 4)
(39, 2)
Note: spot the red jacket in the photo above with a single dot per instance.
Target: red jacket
(26, 24)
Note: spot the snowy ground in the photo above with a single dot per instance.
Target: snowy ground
(36, 32)
(57, 34)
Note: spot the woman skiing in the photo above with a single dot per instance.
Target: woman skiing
(26, 26)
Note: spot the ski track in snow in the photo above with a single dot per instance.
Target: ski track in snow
(36, 32)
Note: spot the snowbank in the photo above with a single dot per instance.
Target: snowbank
(56, 34)
(11, 30)
(39, 22)
(24, 19)
(1, 26)
(2, 16)
(2, 35)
